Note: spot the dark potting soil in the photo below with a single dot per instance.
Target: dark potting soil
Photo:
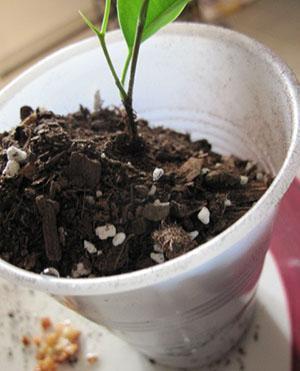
(85, 204)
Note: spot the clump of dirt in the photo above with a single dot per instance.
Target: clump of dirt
(76, 200)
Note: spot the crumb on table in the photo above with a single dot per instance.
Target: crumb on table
(46, 323)
(26, 341)
(57, 345)
(91, 358)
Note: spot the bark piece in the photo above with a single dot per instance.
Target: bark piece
(221, 179)
(25, 112)
(29, 171)
(139, 226)
(84, 171)
(156, 211)
(191, 168)
(48, 210)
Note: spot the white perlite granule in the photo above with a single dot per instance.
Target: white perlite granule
(204, 215)
(119, 239)
(90, 247)
(152, 190)
(157, 174)
(52, 272)
(193, 234)
(157, 257)
(11, 169)
(16, 154)
(90, 200)
(99, 194)
(106, 231)
(243, 179)
(80, 271)
(259, 176)
(249, 166)
(227, 202)
(157, 248)
(204, 171)
(157, 202)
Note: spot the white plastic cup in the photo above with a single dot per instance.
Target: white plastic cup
(212, 83)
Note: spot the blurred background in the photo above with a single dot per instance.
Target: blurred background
(32, 29)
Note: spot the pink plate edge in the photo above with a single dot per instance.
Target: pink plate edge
(285, 248)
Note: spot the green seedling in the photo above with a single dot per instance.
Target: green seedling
(138, 20)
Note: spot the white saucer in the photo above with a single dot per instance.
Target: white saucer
(265, 348)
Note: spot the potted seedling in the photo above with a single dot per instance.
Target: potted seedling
(152, 218)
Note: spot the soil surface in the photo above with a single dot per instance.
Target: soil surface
(81, 203)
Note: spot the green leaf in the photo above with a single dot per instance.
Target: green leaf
(160, 13)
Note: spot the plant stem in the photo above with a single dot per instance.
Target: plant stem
(137, 44)
(126, 65)
(111, 66)
(135, 53)
(101, 37)
(127, 102)
(105, 17)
